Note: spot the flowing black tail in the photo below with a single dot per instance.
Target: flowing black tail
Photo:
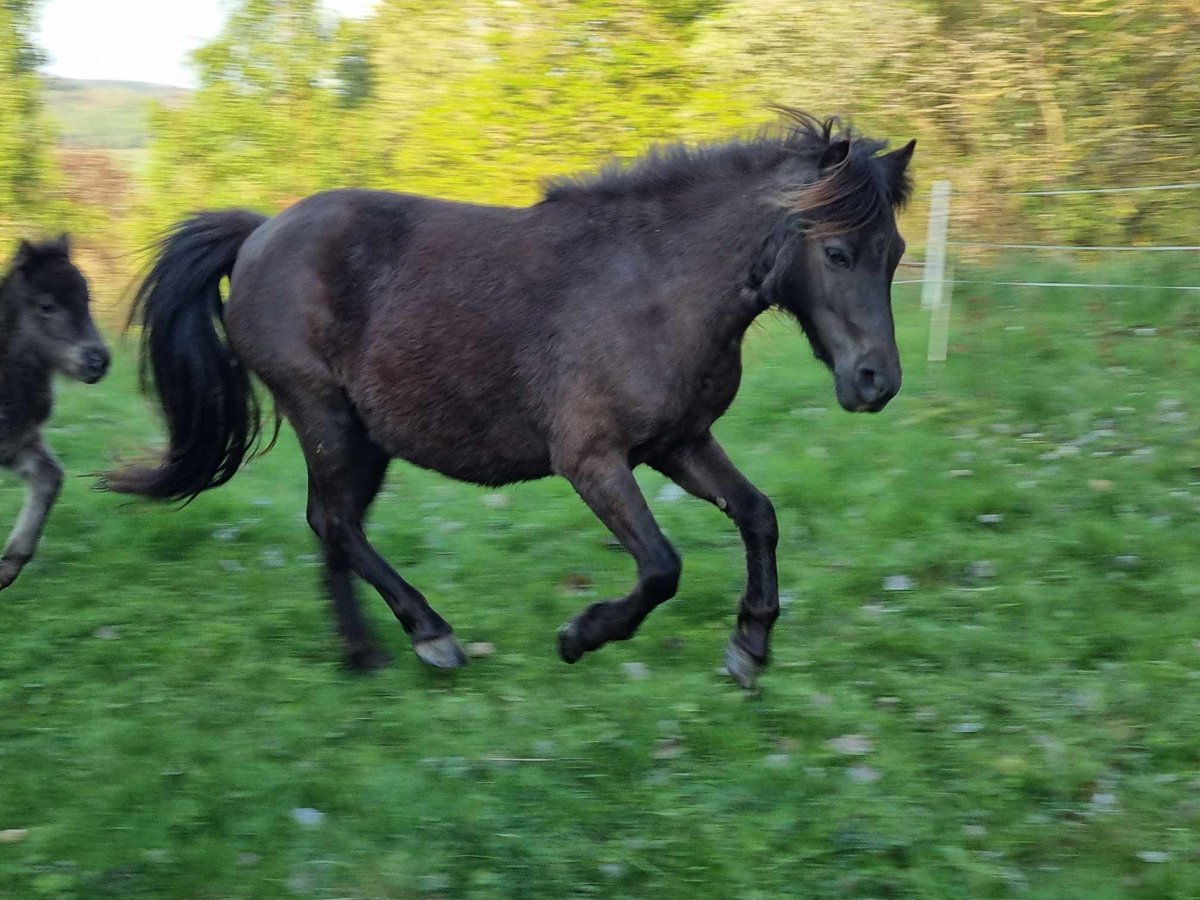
(213, 417)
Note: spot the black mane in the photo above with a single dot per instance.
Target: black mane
(664, 169)
(844, 196)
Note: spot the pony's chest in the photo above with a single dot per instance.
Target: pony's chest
(713, 384)
(24, 406)
(702, 396)
(719, 384)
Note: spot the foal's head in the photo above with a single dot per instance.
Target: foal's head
(835, 252)
(47, 300)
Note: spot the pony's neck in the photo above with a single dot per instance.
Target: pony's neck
(740, 218)
(717, 234)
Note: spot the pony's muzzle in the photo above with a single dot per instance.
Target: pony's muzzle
(873, 382)
(93, 364)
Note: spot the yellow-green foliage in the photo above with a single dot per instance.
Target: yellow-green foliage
(483, 99)
(23, 134)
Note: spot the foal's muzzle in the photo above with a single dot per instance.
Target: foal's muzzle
(93, 364)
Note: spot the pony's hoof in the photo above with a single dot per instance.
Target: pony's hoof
(367, 659)
(10, 568)
(441, 652)
(741, 666)
(570, 647)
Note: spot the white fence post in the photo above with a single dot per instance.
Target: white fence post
(934, 286)
(935, 246)
(938, 276)
(939, 321)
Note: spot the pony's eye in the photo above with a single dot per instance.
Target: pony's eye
(48, 307)
(838, 257)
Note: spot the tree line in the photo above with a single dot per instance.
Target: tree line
(485, 99)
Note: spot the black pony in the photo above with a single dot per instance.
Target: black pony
(592, 332)
(45, 326)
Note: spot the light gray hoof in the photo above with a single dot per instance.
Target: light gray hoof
(741, 666)
(441, 652)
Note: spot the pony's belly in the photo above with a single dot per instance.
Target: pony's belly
(500, 451)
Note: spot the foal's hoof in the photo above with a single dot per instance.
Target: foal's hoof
(570, 646)
(742, 667)
(9, 570)
(441, 652)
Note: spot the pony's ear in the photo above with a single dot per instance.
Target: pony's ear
(898, 160)
(895, 167)
(834, 155)
(63, 242)
(27, 256)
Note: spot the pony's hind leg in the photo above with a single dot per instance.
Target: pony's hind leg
(362, 652)
(43, 478)
(703, 470)
(607, 485)
(335, 446)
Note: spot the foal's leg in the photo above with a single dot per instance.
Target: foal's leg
(607, 485)
(703, 470)
(335, 446)
(362, 653)
(43, 478)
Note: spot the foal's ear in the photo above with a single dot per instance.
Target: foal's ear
(834, 155)
(27, 255)
(63, 243)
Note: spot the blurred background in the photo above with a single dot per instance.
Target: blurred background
(270, 100)
(985, 676)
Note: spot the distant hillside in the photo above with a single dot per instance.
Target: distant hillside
(110, 115)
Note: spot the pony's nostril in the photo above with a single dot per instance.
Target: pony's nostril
(868, 380)
(96, 360)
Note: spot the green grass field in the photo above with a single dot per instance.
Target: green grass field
(1022, 720)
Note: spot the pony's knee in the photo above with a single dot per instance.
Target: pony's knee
(42, 472)
(52, 477)
(660, 577)
(757, 517)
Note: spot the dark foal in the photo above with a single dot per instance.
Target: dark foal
(45, 327)
(594, 331)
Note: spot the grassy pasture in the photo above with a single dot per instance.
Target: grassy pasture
(1022, 718)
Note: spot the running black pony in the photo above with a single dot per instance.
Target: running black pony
(582, 336)
(45, 327)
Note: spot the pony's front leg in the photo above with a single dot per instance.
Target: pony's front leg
(703, 470)
(43, 478)
(606, 484)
